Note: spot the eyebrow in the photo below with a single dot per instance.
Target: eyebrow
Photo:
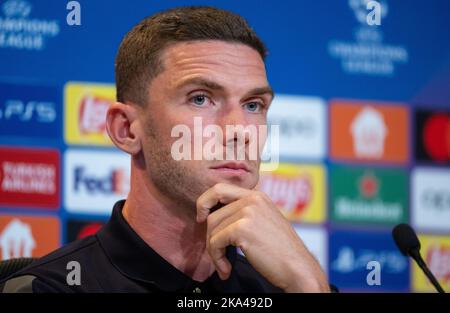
(215, 86)
(201, 82)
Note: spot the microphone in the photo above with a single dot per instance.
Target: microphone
(407, 242)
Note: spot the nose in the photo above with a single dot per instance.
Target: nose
(236, 129)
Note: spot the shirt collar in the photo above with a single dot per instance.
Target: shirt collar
(134, 258)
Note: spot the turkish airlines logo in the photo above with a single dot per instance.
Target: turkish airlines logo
(29, 177)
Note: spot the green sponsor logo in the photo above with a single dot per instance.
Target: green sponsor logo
(364, 195)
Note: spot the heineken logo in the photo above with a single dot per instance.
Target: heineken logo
(368, 195)
(368, 186)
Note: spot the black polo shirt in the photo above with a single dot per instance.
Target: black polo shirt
(116, 259)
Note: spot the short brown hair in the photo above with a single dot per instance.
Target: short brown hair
(138, 59)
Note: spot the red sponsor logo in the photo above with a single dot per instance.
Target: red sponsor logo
(368, 186)
(438, 259)
(89, 229)
(29, 178)
(436, 137)
(291, 194)
(93, 114)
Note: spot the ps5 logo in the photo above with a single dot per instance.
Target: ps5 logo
(24, 111)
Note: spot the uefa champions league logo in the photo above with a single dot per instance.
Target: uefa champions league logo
(20, 30)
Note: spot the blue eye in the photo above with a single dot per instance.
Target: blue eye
(253, 106)
(199, 100)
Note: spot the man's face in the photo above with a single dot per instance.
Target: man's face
(221, 83)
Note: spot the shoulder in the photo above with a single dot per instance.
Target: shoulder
(50, 273)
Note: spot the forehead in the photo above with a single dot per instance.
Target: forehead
(220, 61)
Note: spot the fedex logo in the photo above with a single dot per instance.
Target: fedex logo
(112, 183)
(95, 180)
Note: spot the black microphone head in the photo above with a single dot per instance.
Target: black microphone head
(406, 239)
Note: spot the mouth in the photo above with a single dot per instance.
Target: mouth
(234, 168)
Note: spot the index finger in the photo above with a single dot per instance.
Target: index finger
(219, 193)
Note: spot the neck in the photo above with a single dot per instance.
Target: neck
(168, 228)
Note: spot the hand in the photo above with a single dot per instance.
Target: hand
(252, 222)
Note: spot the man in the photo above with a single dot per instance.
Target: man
(180, 224)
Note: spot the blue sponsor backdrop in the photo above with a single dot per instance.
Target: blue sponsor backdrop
(299, 35)
(350, 254)
(319, 48)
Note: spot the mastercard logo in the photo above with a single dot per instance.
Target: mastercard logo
(433, 136)
(436, 137)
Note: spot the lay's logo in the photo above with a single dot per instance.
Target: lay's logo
(299, 191)
(438, 258)
(86, 106)
(92, 115)
(292, 194)
(436, 252)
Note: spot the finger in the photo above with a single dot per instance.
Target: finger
(217, 250)
(219, 193)
(219, 225)
(217, 217)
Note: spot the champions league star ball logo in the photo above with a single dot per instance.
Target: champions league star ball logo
(16, 8)
(20, 30)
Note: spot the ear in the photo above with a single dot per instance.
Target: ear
(123, 127)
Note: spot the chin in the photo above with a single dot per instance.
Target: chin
(247, 182)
